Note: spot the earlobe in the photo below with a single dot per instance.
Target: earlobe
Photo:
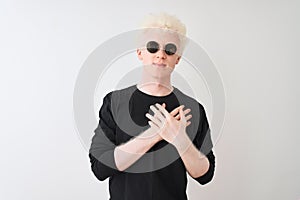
(139, 54)
(178, 59)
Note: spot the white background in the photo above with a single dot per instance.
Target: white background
(254, 44)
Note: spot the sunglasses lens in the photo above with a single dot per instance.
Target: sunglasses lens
(152, 46)
(170, 49)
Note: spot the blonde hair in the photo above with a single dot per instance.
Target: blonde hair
(164, 21)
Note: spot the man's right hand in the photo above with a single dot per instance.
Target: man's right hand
(153, 132)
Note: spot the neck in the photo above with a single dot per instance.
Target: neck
(155, 85)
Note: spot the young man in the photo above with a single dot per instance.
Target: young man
(146, 155)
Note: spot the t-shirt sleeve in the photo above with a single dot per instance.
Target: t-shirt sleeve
(204, 143)
(101, 152)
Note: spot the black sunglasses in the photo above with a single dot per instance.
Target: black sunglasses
(153, 47)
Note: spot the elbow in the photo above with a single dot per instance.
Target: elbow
(206, 180)
(209, 174)
(207, 177)
(97, 168)
(203, 170)
(100, 176)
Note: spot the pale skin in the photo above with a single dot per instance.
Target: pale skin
(164, 125)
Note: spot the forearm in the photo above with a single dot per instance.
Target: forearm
(128, 153)
(196, 163)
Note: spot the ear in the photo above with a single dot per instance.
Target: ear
(139, 54)
(178, 59)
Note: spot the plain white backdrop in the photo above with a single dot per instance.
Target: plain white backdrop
(254, 44)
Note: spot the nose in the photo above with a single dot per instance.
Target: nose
(161, 54)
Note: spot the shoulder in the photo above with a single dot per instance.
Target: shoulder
(119, 92)
(117, 98)
(197, 109)
(186, 99)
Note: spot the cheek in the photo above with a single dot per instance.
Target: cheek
(147, 59)
(174, 61)
(177, 60)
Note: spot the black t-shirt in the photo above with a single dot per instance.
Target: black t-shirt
(160, 174)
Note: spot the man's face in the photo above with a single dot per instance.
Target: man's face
(159, 62)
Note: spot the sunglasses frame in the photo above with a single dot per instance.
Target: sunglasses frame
(156, 47)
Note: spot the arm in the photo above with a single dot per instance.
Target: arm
(196, 163)
(204, 144)
(198, 158)
(199, 166)
(128, 153)
(107, 159)
(101, 152)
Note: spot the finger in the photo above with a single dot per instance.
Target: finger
(157, 113)
(175, 111)
(186, 111)
(153, 125)
(153, 119)
(188, 117)
(188, 123)
(182, 117)
(162, 110)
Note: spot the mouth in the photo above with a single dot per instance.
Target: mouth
(159, 64)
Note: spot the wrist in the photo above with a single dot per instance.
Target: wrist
(182, 142)
(150, 135)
